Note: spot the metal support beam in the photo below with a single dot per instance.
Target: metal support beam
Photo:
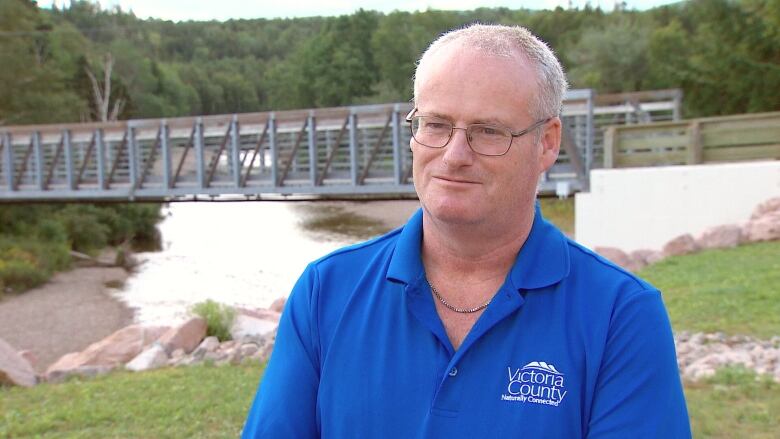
(274, 150)
(166, 154)
(198, 141)
(374, 151)
(258, 149)
(397, 145)
(312, 149)
(353, 149)
(332, 152)
(132, 158)
(589, 136)
(39, 159)
(85, 161)
(100, 151)
(23, 165)
(8, 165)
(70, 174)
(294, 151)
(234, 152)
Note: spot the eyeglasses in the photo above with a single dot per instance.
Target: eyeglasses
(484, 139)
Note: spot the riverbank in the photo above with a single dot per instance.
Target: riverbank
(71, 311)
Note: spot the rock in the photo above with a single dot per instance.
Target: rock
(209, 344)
(118, 348)
(681, 245)
(248, 349)
(654, 258)
(178, 354)
(615, 255)
(251, 327)
(187, 336)
(153, 357)
(642, 255)
(89, 371)
(770, 205)
(726, 236)
(763, 228)
(30, 357)
(260, 313)
(278, 304)
(15, 370)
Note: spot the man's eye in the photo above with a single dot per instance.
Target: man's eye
(490, 131)
(437, 126)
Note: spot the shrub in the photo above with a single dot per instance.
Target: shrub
(26, 263)
(219, 318)
(20, 274)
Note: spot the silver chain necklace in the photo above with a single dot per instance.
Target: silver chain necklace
(455, 308)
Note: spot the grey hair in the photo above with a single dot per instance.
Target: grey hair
(506, 41)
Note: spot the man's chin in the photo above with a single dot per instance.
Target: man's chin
(455, 214)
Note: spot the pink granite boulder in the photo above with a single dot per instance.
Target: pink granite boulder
(186, 336)
(681, 245)
(116, 349)
(726, 236)
(14, 369)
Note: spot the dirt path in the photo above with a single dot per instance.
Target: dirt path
(70, 312)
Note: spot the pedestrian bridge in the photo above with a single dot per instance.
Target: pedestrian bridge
(327, 152)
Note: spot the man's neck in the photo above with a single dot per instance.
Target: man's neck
(469, 250)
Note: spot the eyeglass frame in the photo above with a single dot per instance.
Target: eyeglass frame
(513, 134)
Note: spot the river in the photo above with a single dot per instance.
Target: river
(245, 253)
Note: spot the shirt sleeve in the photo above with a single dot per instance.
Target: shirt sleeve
(285, 403)
(638, 391)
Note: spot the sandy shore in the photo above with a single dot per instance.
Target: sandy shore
(67, 314)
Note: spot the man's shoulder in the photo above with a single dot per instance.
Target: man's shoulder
(600, 272)
(361, 251)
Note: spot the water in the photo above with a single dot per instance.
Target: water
(241, 254)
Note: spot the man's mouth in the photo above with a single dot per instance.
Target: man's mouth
(456, 180)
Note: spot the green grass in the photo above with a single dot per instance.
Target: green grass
(735, 291)
(186, 402)
(212, 402)
(735, 403)
(560, 213)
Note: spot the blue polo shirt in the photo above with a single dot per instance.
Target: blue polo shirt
(570, 346)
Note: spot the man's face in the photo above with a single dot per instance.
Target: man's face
(457, 185)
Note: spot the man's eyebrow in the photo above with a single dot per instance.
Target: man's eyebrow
(485, 121)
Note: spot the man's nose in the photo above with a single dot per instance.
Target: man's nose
(458, 152)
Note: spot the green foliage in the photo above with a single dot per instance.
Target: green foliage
(36, 240)
(187, 402)
(25, 264)
(724, 54)
(219, 318)
(728, 290)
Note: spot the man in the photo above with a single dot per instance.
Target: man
(477, 319)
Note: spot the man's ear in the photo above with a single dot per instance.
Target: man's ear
(550, 143)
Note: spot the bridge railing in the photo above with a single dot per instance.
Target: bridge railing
(704, 140)
(345, 150)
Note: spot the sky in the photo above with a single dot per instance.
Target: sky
(178, 10)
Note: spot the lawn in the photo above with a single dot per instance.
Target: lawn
(212, 402)
(736, 291)
(186, 402)
(559, 212)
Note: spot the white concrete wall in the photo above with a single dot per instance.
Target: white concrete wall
(637, 208)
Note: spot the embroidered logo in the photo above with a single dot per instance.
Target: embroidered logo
(537, 383)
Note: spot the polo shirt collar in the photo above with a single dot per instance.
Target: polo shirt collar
(542, 261)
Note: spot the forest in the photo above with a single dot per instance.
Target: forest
(84, 63)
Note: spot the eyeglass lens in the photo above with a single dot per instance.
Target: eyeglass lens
(483, 139)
